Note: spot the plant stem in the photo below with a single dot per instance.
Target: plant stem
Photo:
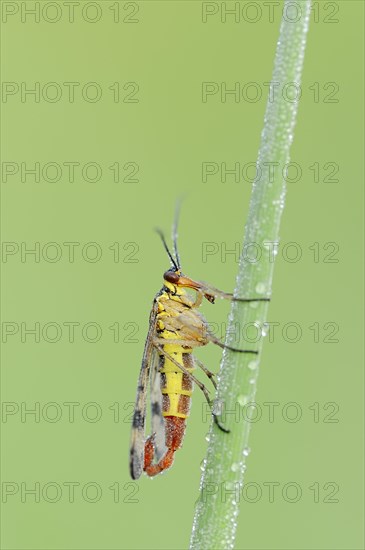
(217, 508)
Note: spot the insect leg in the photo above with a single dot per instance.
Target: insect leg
(234, 299)
(229, 296)
(194, 343)
(198, 299)
(216, 341)
(209, 373)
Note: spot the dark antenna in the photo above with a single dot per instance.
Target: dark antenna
(173, 262)
(174, 231)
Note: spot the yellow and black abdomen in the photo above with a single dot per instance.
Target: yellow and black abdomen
(176, 386)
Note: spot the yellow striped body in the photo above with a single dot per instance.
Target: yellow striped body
(176, 386)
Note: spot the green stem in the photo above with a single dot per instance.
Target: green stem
(217, 508)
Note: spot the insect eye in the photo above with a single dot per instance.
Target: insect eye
(171, 277)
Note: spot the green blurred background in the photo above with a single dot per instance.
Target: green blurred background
(156, 135)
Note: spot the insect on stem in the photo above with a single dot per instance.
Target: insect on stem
(176, 328)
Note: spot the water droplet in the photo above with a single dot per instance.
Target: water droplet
(260, 288)
(242, 400)
(197, 503)
(268, 244)
(246, 451)
(202, 464)
(252, 365)
(207, 437)
(217, 407)
(252, 380)
(235, 466)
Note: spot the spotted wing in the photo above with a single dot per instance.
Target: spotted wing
(139, 417)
